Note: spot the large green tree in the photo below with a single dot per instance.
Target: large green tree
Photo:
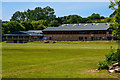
(12, 26)
(115, 25)
(38, 13)
(39, 25)
(5, 28)
(54, 23)
(28, 26)
(70, 19)
(15, 26)
(94, 16)
(18, 16)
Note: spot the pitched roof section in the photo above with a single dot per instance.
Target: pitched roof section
(79, 27)
(26, 33)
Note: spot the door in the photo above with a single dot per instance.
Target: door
(92, 38)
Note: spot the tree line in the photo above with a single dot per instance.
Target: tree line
(41, 18)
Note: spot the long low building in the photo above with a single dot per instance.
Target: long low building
(79, 32)
(65, 32)
(23, 36)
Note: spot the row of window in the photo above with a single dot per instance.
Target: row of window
(102, 32)
(88, 38)
(16, 37)
(92, 38)
(19, 37)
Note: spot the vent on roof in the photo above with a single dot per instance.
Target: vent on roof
(93, 23)
(74, 24)
(79, 24)
(97, 24)
(85, 24)
(64, 25)
(67, 24)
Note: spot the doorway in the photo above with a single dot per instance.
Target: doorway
(92, 38)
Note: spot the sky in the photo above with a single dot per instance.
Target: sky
(83, 9)
(55, 0)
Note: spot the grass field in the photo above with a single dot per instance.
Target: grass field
(55, 60)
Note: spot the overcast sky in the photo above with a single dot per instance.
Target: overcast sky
(83, 9)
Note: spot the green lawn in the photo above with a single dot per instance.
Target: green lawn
(55, 60)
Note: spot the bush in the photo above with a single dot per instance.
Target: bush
(111, 58)
(103, 65)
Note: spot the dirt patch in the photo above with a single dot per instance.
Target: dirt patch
(93, 70)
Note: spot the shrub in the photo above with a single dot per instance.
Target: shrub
(112, 57)
(103, 65)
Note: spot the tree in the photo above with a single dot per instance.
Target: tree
(74, 19)
(49, 13)
(38, 13)
(113, 14)
(15, 26)
(54, 23)
(115, 25)
(113, 56)
(102, 17)
(108, 19)
(5, 28)
(18, 16)
(44, 22)
(94, 16)
(27, 25)
(71, 19)
(86, 20)
(12, 26)
(39, 25)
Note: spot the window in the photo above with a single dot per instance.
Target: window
(9, 37)
(96, 38)
(91, 32)
(104, 32)
(21, 37)
(26, 37)
(80, 38)
(92, 38)
(15, 37)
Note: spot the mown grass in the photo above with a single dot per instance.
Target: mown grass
(55, 60)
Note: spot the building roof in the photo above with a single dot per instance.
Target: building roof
(35, 31)
(79, 27)
(26, 33)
